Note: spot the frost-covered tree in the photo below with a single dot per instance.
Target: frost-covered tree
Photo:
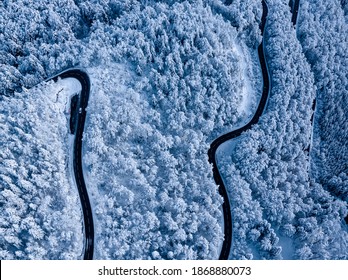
(272, 162)
(40, 217)
(168, 77)
(323, 34)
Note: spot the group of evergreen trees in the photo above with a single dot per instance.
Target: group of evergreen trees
(323, 34)
(168, 77)
(40, 214)
(148, 157)
(147, 170)
(269, 166)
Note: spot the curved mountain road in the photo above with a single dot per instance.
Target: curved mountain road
(226, 246)
(294, 6)
(83, 78)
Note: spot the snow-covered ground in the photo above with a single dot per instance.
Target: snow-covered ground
(65, 89)
(250, 92)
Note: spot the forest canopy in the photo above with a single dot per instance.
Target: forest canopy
(168, 77)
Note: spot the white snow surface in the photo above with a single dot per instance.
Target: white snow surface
(249, 94)
(64, 90)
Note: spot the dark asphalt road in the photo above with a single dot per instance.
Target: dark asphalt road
(226, 246)
(83, 78)
(294, 5)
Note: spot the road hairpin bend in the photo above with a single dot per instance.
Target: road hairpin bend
(83, 78)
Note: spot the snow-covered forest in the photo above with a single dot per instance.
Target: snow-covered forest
(168, 77)
(40, 214)
(282, 211)
(324, 35)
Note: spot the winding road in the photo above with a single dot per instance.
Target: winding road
(294, 6)
(226, 246)
(83, 78)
